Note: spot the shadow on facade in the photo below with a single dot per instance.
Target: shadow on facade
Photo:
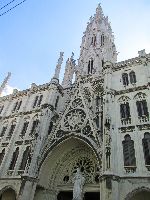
(87, 196)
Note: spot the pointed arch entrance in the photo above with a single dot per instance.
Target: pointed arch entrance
(139, 194)
(59, 168)
(8, 194)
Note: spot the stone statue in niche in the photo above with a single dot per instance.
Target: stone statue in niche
(78, 181)
(108, 153)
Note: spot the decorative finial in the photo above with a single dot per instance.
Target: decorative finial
(72, 59)
(99, 11)
(58, 66)
(2, 87)
(142, 53)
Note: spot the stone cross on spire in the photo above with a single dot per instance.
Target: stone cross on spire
(58, 66)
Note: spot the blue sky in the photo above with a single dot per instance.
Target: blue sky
(33, 34)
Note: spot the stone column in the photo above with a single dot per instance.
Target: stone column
(27, 189)
(109, 187)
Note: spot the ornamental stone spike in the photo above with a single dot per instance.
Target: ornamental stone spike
(99, 11)
(58, 66)
(2, 87)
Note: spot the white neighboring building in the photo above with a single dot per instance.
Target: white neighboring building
(99, 124)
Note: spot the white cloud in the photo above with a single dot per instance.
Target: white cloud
(8, 90)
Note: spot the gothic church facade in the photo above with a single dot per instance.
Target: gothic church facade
(99, 124)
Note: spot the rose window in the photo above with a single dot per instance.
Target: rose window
(74, 119)
(86, 166)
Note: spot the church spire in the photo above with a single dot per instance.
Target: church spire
(99, 12)
(58, 68)
(69, 71)
(97, 45)
(3, 85)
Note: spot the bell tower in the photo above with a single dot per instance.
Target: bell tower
(97, 45)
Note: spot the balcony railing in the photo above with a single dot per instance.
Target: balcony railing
(8, 138)
(130, 169)
(10, 172)
(126, 121)
(20, 172)
(144, 118)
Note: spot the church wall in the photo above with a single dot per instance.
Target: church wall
(103, 127)
(128, 185)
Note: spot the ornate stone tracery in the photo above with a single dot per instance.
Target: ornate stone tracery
(74, 120)
(66, 167)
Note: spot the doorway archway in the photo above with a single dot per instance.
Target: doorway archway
(144, 195)
(8, 194)
(60, 166)
(139, 194)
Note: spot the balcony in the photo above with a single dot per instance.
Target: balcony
(143, 119)
(8, 138)
(20, 172)
(126, 121)
(10, 172)
(130, 169)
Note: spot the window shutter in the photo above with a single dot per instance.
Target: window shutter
(14, 159)
(126, 153)
(122, 113)
(145, 109)
(132, 153)
(146, 150)
(35, 102)
(89, 67)
(25, 157)
(40, 100)
(19, 105)
(2, 154)
(127, 110)
(129, 152)
(139, 109)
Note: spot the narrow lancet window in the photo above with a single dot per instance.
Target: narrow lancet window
(132, 77)
(11, 131)
(128, 151)
(25, 126)
(146, 148)
(102, 40)
(90, 66)
(25, 158)
(14, 159)
(2, 154)
(125, 79)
